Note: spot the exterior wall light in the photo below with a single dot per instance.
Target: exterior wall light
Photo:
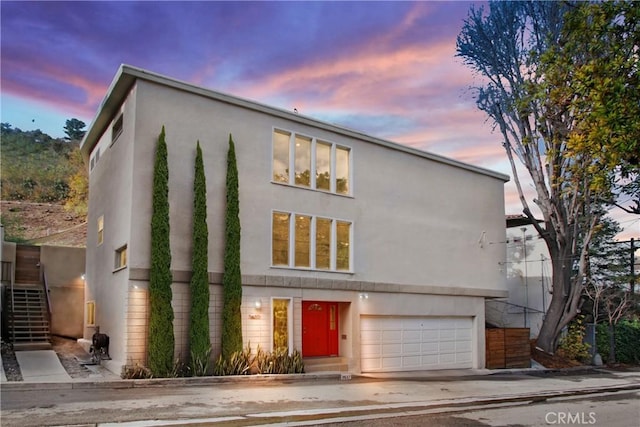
(364, 296)
(258, 304)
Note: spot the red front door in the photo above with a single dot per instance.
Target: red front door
(319, 328)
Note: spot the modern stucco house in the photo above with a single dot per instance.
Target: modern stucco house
(352, 246)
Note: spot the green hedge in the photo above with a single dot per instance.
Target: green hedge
(627, 333)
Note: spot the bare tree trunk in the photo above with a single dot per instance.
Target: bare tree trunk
(612, 343)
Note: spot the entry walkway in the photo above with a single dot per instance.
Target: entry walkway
(41, 366)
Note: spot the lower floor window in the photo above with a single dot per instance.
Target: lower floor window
(307, 241)
(91, 313)
(281, 324)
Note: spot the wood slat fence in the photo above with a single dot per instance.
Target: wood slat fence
(507, 348)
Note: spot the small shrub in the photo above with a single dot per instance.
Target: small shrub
(200, 363)
(179, 370)
(572, 345)
(245, 363)
(136, 372)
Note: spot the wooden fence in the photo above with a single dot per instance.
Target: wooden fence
(508, 348)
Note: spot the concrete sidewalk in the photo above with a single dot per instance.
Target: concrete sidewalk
(41, 366)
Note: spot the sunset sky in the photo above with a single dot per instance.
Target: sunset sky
(386, 68)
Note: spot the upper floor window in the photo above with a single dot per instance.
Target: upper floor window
(311, 242)
(100, 229)
(116, 129)
(95, 158)
(316, 164)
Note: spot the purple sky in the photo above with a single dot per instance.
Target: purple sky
(385, 68)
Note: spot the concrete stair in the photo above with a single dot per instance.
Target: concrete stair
(325, 364)
(29, 326)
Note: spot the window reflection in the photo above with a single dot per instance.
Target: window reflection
(342, 250)
(323, 166)
(303, 161)
(311, 232)
(342, 170)
(323, 243)
(280, 243)
(303, 241)
(316, 164)
(281, 156)
(280, 324)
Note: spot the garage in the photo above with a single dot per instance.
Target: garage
(393, 343)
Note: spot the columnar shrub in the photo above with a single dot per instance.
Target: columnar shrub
(199, 341)
(231, 280)
(161, 339)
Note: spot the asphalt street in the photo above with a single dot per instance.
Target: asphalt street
(278, 400)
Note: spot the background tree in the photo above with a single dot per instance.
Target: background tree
(608, 280)
(199, 340)
(74, 129)
(232, 277)
(78, 182)
(595, 71)
(161, 338)
(518, 48)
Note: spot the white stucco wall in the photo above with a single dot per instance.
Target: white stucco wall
(415, 221)
(529, 271)
(110, 196)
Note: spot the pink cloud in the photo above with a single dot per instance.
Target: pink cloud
(92, 92)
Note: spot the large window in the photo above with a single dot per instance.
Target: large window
(316, 164)
(311, 242)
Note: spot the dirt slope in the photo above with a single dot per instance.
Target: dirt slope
(42, 223)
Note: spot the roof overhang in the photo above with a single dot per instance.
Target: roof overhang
(127, 76)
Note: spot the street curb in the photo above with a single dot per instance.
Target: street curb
(164, 382)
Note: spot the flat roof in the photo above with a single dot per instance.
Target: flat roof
(127, 75)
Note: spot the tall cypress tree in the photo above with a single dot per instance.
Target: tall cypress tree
(199, 340)
(161, 339)
(232, 279)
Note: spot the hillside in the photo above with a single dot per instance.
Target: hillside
(43, 186)
(43, 223)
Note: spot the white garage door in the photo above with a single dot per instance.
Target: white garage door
(415, 343)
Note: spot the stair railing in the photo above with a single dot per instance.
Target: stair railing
(43, 274)
(8, 275)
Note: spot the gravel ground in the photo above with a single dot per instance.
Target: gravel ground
(70, 353)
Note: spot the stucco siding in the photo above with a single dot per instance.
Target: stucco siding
(415, 221)
(110, 197)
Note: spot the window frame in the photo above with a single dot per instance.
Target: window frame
(313, 243)
(118, 263)
(314, 142)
